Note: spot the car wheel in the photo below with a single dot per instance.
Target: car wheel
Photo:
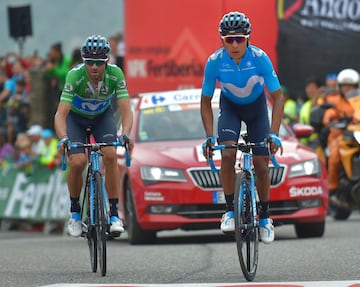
(136, 235)
(307, 230)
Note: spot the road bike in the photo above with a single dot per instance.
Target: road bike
(94, 212)
(245, 206)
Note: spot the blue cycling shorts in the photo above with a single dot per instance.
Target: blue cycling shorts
(103, 128)
(254, 115)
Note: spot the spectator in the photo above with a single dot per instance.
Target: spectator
(49, 154)
(6, 149)
(117, 47)
(313, 92)
(57, 65)
(35, 61)
(23, 146)
(37, 143)
(76, 57)
(331, 84)
(3, 112)
(290, 108)
(18, 111)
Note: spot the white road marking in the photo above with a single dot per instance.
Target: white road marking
(248, 284)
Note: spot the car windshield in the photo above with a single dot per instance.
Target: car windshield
(172, 122)
(177, 122)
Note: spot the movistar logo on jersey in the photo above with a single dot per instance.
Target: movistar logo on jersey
(245, 91)
(90, 106)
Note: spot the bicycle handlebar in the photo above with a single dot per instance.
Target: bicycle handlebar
(244, 147)
(96, 147)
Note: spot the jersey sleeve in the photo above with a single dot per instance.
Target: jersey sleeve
(209, 81)
(269, 74)
(68, 92)
(121, 91)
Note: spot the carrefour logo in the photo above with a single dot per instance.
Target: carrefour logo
(156, 99)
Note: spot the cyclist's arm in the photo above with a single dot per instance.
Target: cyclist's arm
(207, 90)
(207, 115)
(60, 119)
(277, 110)
(126, 115)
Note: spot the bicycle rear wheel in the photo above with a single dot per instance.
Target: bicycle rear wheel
(101, 225)
(246, 233)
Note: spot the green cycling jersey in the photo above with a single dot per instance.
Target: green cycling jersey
(87, 101)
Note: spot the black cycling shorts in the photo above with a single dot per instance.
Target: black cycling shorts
(254, 115)
(103, 128)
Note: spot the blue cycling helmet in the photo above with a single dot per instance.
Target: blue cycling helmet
(95, 46)
(234, 22)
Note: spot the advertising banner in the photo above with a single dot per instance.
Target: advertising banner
(316, 37)
(41, 196)
(168, 42)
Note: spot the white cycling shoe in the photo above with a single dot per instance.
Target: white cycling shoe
(267, 230)
(116, 226)
(227, 222)
(74, 225)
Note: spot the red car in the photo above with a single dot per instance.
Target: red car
(169, 184)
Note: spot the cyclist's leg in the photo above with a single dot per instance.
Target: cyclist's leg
(258, 127)
(77, 163)
(104, 129)
(229, 126)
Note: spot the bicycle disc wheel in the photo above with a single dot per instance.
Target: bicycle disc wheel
(91, 234)
(246, 233)
(101, 225)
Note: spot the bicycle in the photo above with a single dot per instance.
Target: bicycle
(245, 206)
(94, 209)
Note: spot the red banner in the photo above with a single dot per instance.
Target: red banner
(168, 42)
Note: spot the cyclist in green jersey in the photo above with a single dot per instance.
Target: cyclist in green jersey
(86, 102)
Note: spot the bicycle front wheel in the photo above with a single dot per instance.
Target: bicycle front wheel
(101, 225)
(246, 232)
(91, 232)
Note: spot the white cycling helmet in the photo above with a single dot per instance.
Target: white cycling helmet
(348, 77)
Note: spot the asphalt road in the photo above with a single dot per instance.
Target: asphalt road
(33, 259)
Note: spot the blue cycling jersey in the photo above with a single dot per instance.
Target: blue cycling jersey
(241, 84)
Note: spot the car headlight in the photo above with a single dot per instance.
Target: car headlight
(153, 174)
(306, 168)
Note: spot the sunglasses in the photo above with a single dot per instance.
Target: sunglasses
(97, 62)
(237, 38)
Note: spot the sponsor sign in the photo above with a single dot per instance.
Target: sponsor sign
(43, 195)
(316, 37)
(179, 35)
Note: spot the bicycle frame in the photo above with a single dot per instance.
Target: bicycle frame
(93, 167)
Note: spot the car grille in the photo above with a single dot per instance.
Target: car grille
(206, 179)
(197, 211)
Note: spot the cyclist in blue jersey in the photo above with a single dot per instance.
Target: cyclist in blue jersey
(86, 102)
(242, 72)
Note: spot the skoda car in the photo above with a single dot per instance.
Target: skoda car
(170, 185)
